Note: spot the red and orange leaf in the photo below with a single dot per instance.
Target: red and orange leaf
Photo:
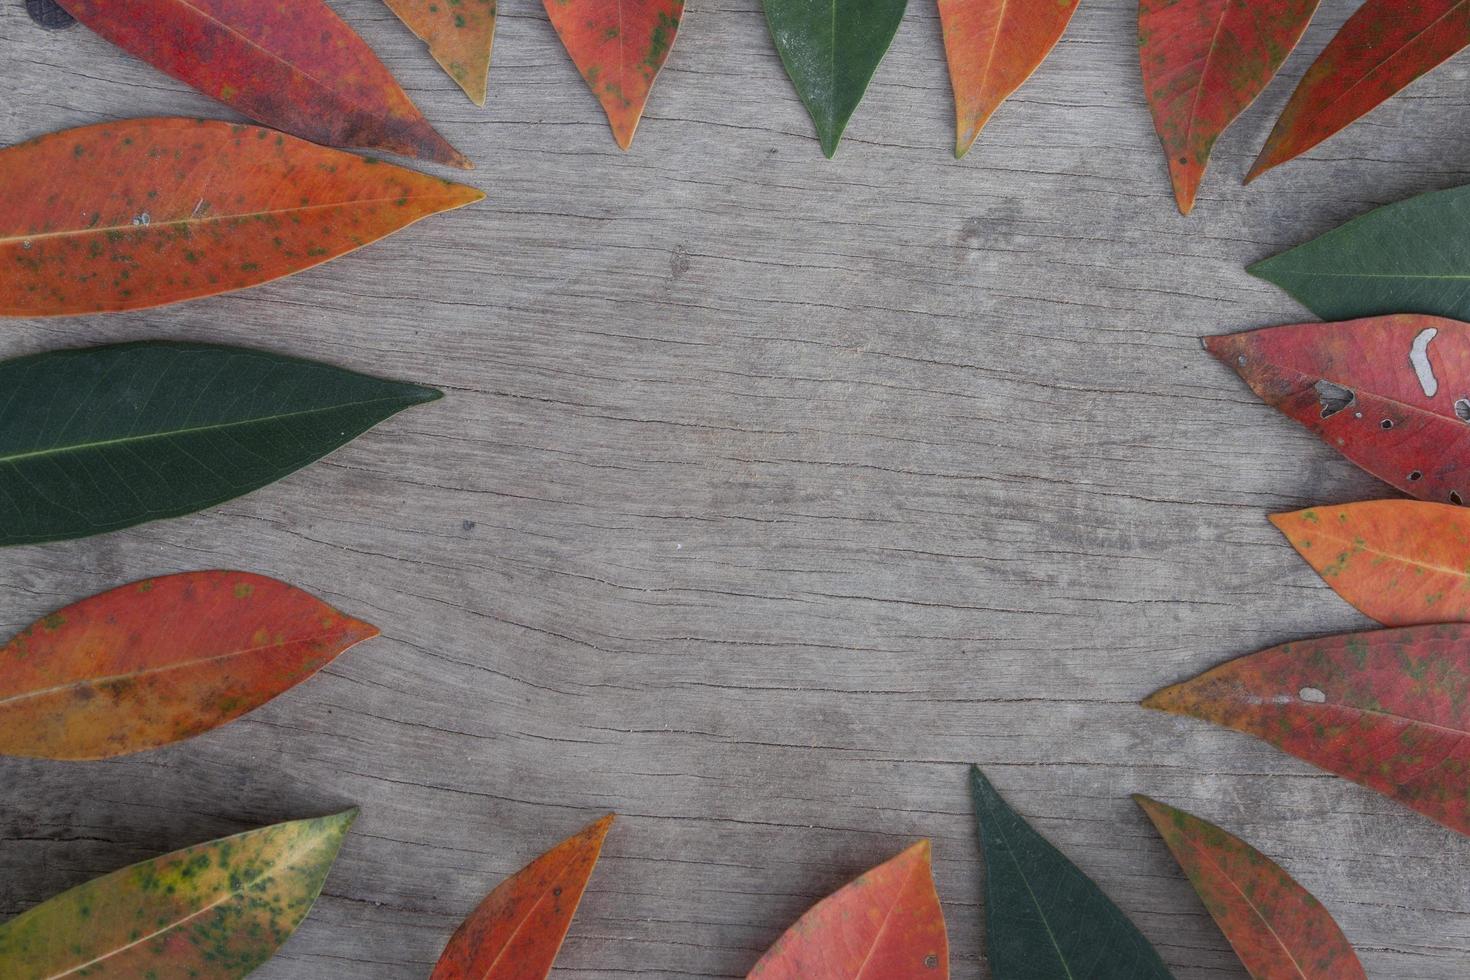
(1204, 62)
(291, 64)
(160, 661)
(132, 214)
(1401, 562)
(516, 932)
(619, 46)
(1382, 48)
(1388, 709)
(460, 35)
(885, 923)
(993, 46)
(1391, 393)
(1277, 928)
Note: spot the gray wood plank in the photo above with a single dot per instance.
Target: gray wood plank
(770, 492)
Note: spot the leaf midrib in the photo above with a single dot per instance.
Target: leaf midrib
(1249, 904)
(5, 702)
(231, 216)
(1041, 913)
(303, 844)
(1386, 60)
(17, 458)
(336, 95)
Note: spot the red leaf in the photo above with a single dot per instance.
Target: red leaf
(138, 213)
(160, 661)
(1204, 62)
(1389, 709)
(885, 924)
(619, 47)
(1277, 928)
(1382, 48)
(993, 46)
(1402, 562)
(1390, 393)
(519, 927)
(291, 64)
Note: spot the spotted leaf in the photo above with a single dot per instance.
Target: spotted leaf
(1390, 393)
(1384, 46)
(1401, 562)
(460, 35)
(103, 438)
(127, 215)
(619, 46)
(885, 923)
(160, 661)
(1043, 916)
(993, 46)
(518, 929)
(831, 49)
(293, 65)
(1204, 62)
(1276, 927)
(1408, 257)
(1389, 709)
(214, 911)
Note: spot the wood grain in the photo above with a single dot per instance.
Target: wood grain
(769, 493)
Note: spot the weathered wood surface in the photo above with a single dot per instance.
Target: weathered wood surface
(769, 492)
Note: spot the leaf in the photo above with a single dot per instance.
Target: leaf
(209, 912)
(1043, 916)
(1401, 562)
(885, 923)
(460, 35)
(993, 46)
(49, 15)
(619, 46)
(831, 48)
(1390, 393)
(104, 438)
(1274, 924)
(1409, 257)
(1382, 48)
(517, 931)
(1386, 709)
(1204, 62)
(290, 64)
(160, 661)
(133, 214)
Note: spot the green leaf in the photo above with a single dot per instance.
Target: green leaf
(209, 912)
(1410, 257)
(831, 48)
(1044, 918)
(104, 438)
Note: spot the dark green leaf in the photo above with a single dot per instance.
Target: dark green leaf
(1045, 919)
(1410, 257)
(831, 48)
(107, 437)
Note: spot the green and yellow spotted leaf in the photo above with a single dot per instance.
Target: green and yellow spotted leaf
(213, 911)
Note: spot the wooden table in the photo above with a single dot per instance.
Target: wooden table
(769, 492)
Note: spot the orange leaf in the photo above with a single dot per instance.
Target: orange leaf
(519, 927)
(885, 924)
(290, 64)
(993, 46)
(619, 46)
(1402, 562)
(460, 35)
(1276, 927)
(160, 661)
(132, 214)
